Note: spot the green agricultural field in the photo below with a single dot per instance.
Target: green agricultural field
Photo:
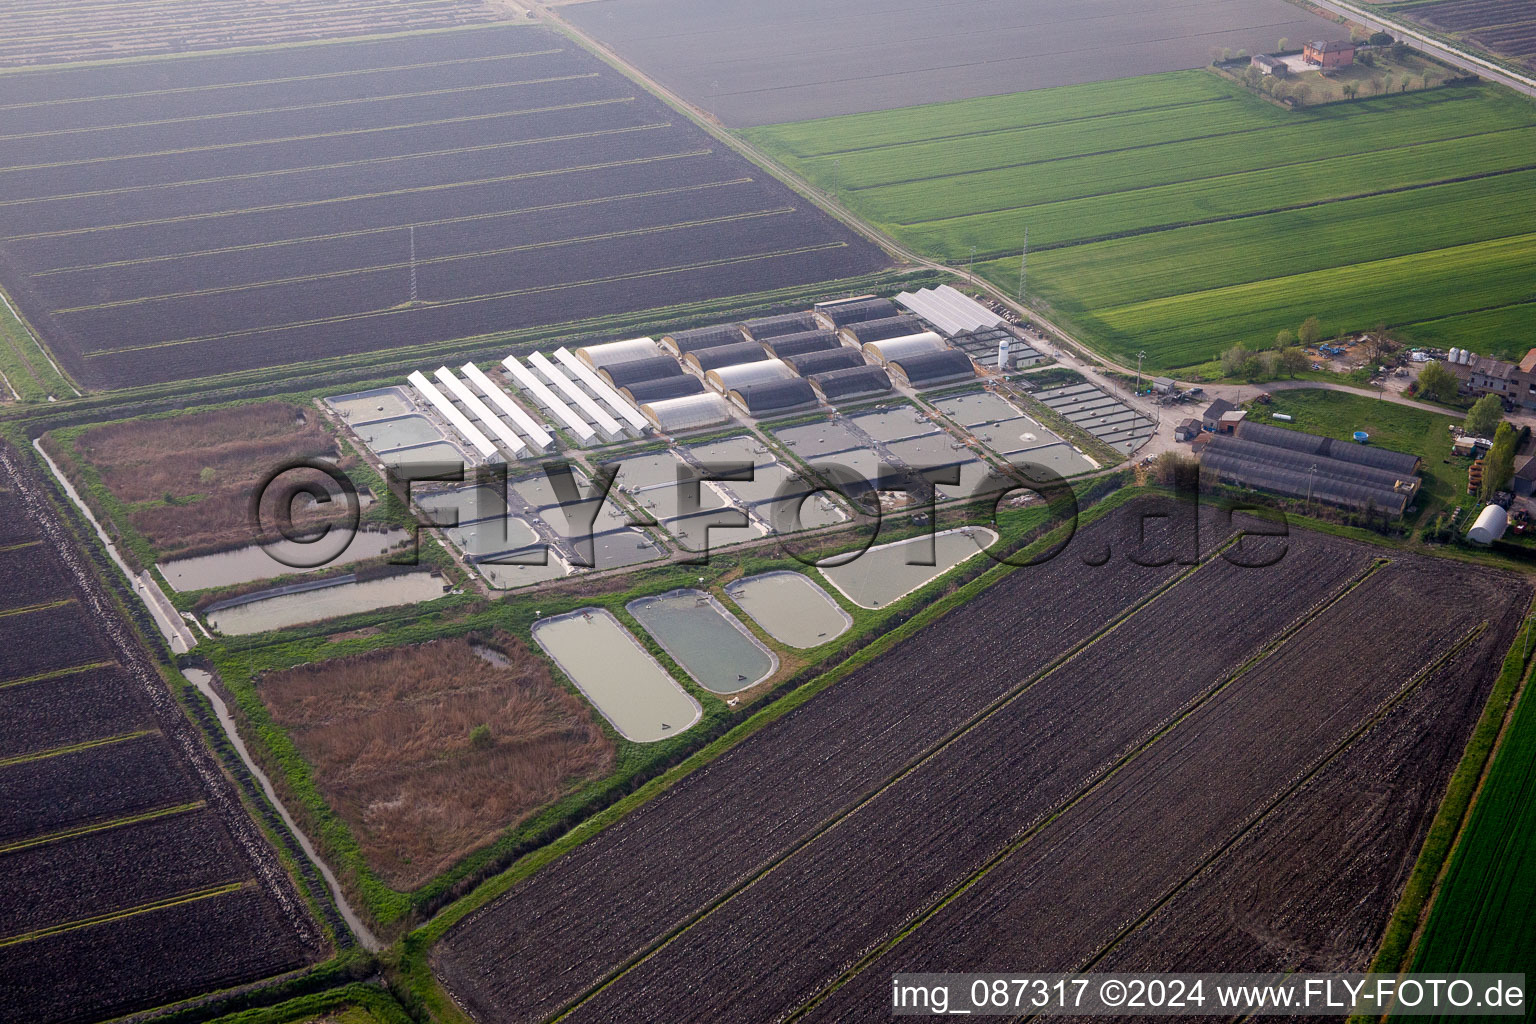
(1180, 213)
(1484, 917)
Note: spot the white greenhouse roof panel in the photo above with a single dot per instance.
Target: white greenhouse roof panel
(482, 412)
(949, 310)
(601, 388)
(572, 393)
(551, 401)
(456, 419)
(691, 412)
(727, 378)
(902, 348)
(538, 438)
(614, 352)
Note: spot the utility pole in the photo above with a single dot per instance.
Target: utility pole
(1023, 264)
(1139, 357)
(837, 167)
(1311, 476)
(413, 264)
(970, 267)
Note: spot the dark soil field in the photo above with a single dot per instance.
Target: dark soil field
(955, 812)
(1099, 790)
(48, 639)
(105, 783)
(389, 737)
(1292, 722)
(49, 31)
(130, 874)
(20, 584)
(1505, 28)
(148, 959)
(762, 63)
(172, 219)
(822, 758)
(74, 879)
(1303, 889)
(68, 709)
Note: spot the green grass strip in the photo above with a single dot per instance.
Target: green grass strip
(102, 826)
(75, 748)
(143, 908)
(28, 609)
(56, 673)
(1455, 810)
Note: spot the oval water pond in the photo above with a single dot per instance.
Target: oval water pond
(881, 576)
(621, 679)
(791, 608)
(708, 641)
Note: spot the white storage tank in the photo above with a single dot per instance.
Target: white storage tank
(1489, 526)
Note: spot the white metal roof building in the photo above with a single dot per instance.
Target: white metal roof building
(612, 352)
(568, 389)
(599, 387)
(456, 419)
(948, 310)
(482, 412)
(691, 412)
(568, 417)
(1489, 526)
(904, 347)
(728, 378)
(532, 430)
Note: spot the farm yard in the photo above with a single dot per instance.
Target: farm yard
(1503, 28)
(1268, 215)
(755, 63)
(458, 743)
(101, 770)
(190, 217)
(737, 927)
(99, 31)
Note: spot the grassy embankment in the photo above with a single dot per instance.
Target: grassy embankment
(1179, 213)
(29, 375)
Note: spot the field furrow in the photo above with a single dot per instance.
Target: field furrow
(911, 845)
(73, 708)
(75, 879)
(1109, 860)
(148, 959)
(1311, 886)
